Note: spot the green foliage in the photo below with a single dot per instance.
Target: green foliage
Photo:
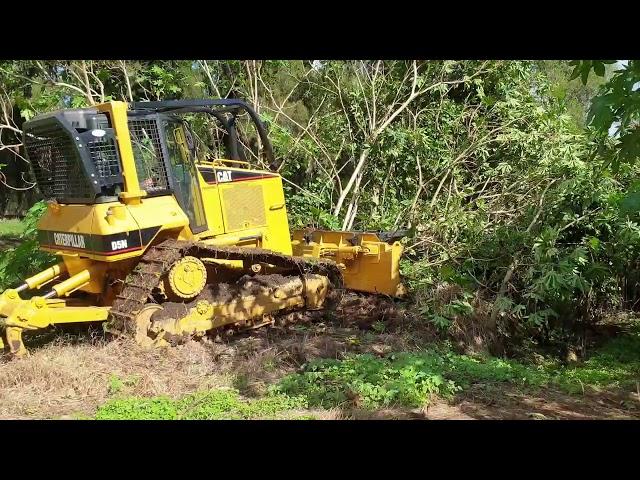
(212, 405)
(583, 67)
(617, 104)
(25, 259)
(412, 379)
(443, 315)
(575, 96)
(160, 408)
(369, 381)
(117, 384)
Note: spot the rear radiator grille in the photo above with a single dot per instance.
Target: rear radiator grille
(104, 156)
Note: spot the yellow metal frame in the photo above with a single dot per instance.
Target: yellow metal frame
(117, 111)
(310, 293)
(18, 315)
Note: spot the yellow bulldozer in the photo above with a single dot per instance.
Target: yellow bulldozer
(162, 242)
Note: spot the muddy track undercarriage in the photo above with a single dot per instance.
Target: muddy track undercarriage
(298, 283)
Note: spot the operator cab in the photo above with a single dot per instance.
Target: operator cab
(76, 159)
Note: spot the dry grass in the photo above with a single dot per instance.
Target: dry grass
(72, 375)
(472, 334)
(65, 379)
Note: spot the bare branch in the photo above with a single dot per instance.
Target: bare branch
(207, 71)
(123, 66)
(3, 181)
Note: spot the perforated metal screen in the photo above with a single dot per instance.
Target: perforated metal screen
(104, 157)
(243, 206)
(56, 163)
(148, 154)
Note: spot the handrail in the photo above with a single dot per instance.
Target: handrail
(217, 161)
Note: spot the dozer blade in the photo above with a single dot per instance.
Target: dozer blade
(368, 263)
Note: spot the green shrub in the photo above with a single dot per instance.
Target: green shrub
(369, 381)
(25, 259)
(11, 228)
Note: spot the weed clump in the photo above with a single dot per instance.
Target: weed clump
(211, 405)
(413, 379)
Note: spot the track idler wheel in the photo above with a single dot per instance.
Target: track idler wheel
(154, 332)
(143, 335)
(186, 279)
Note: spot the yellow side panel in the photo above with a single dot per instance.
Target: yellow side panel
(159, 211)
(257, 205)
(96, 222)
(212, 208)
(279, 238)
(68, 218)
(236, 209)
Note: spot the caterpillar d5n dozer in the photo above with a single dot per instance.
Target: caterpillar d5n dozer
(163, 242)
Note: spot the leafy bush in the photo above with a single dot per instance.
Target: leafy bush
(369, 381)
(25, 259)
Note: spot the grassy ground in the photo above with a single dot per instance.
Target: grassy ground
(369, 360)
(321, 369)
(411, 381)
(10, 229)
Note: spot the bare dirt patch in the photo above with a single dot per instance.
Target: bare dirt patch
(506, 404)
(64, 378)
(509, 403)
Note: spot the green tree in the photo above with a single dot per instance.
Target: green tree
(576, 96)
(617, 105)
